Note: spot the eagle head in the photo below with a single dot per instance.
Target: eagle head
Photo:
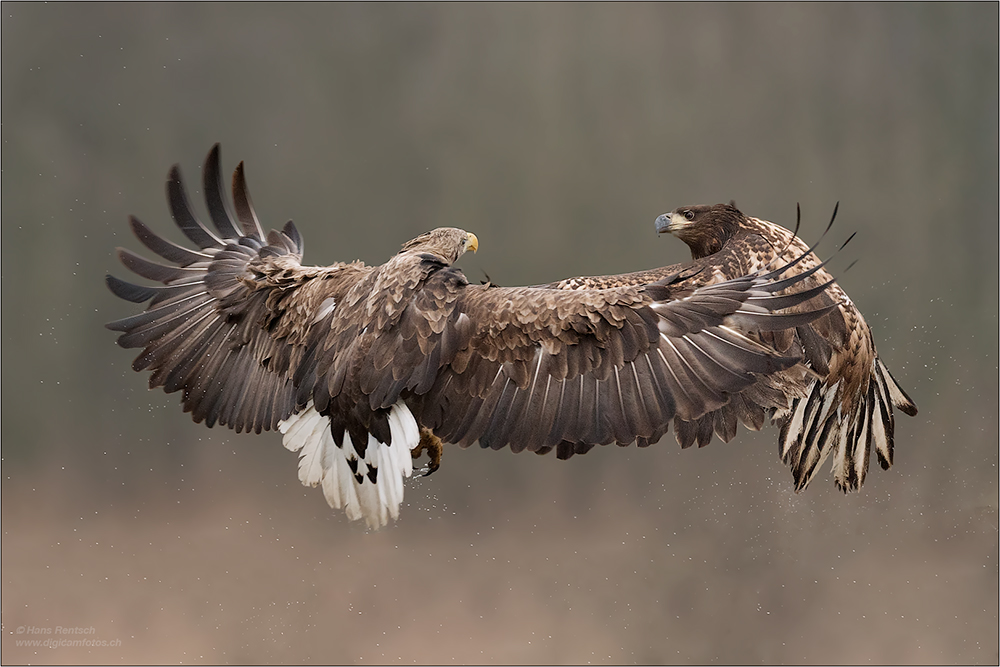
(448, 243)
(706, 229)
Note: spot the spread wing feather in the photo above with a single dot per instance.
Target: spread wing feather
(218, 211)
(168, 250)
(206, 330)
(571, 369)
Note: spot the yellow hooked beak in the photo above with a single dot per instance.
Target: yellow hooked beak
(473, 243)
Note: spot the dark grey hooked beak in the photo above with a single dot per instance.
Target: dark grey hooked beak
(662, 223)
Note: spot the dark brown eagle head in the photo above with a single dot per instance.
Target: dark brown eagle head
(706, 229)
(448, 243)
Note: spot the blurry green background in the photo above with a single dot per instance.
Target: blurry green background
(556, 133)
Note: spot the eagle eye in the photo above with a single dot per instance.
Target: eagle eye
(689, 215)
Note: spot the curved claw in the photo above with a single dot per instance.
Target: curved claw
(434, 447)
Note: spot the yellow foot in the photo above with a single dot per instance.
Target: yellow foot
(434, 447)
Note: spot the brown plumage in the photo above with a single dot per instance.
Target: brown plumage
(358, 366)
(846, 408)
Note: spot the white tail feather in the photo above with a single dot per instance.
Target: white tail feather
(322, 462)
(855, 428)
(818, 447)
(840, 457)
(896, 394)
(862, 445)
(879, 435)
(793, 436)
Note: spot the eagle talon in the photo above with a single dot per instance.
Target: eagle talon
(434, 447)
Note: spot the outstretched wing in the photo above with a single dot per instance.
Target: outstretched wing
(845, 407)
(568, 370)
(232, 320)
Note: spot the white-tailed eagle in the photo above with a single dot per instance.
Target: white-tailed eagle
(363, 368)
(847, 406)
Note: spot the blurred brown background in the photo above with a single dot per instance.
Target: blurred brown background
(556, 133)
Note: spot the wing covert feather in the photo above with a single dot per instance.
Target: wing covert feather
(601, 366)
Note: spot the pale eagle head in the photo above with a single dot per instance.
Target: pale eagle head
(448, 243)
